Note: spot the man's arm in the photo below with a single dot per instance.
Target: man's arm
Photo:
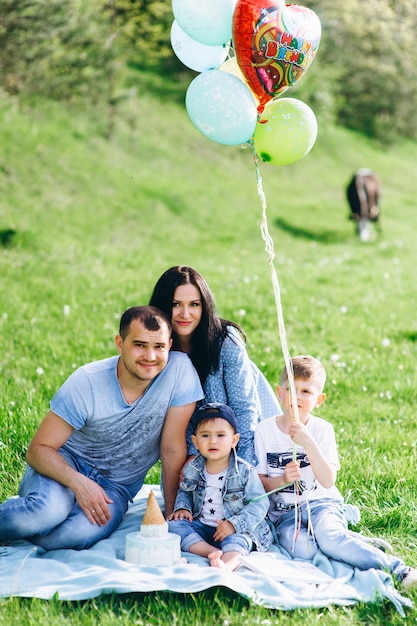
(43, 455)
(174, 451)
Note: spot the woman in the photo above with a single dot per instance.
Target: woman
(217, 349)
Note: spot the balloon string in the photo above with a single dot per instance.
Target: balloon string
(269, 247)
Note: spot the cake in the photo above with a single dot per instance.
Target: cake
(154, 544)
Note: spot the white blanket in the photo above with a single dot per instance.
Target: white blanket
(271, 580)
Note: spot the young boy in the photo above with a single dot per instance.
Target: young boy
(213, 508)
(308, 481)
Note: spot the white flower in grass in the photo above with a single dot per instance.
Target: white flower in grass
(242, 312)
(246, 279)
(364, 388)
(334, 358)
(386, 395)
(386, 342)
(343, 310)
(39, 371)
(67, 309)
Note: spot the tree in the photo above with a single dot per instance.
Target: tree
(144, 27)
(57, 49)
(368, 49)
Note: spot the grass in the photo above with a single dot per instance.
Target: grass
(93, 223)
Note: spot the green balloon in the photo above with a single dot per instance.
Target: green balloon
(285, 131)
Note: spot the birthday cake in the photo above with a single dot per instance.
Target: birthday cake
(153, 545)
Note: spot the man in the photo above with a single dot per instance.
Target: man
(108, 424)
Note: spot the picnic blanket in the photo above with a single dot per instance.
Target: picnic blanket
(271, 579)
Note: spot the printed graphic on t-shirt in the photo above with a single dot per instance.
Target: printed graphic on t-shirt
(112, 445)
(212, 509)
(279, 460)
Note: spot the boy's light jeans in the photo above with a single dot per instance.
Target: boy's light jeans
(195, 531)
(332, 538)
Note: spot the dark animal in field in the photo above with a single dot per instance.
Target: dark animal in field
(7, 236)
(364, 194)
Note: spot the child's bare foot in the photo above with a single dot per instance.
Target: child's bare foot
(215, 559)
(228, 560)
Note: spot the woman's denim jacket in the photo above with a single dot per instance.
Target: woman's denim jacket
(241, 485)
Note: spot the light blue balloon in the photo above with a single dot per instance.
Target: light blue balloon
(221, 107)
(206, 21)
(197, 56)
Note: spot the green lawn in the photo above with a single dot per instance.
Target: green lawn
(96, 222)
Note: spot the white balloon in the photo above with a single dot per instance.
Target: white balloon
(206, 21)
(197, 56)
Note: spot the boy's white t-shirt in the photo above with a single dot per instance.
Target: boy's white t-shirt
(275, 449)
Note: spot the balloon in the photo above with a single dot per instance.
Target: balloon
(197, 56)
(207, 21)
(287, 132)
(221, 107)
(231, 67)
(274, 44)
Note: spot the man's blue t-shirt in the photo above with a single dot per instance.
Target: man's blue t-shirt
(121, 440)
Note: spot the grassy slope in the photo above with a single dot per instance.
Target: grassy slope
(97, 222)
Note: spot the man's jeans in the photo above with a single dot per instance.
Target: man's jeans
(329, 528)
(47, 514)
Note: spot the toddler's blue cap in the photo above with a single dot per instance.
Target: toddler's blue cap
(212, 410)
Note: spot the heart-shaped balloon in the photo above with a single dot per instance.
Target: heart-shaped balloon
(274, 44)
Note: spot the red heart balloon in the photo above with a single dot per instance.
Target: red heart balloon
(274, 44)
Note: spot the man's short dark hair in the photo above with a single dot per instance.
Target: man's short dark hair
(151, 317)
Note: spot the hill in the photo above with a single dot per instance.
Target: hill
(94, 222)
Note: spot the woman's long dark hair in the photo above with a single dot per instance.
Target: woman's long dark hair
(208, 337)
